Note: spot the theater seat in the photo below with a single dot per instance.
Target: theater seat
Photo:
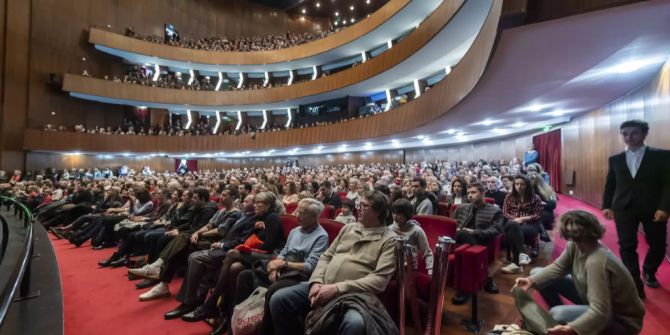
(339, 210)
(328, 212)
(343, 195)
(443, 209)
(332, 227)
(291, 207)
(490, 201)
(436, 226)
(288, 222)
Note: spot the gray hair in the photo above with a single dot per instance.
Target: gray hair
(313, 206)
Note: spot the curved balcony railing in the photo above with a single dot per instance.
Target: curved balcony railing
(18, 270)
(132, 45)
(437, 101)
(147, 95)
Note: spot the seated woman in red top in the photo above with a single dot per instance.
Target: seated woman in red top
(522, 210)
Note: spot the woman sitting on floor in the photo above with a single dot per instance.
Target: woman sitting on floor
(589, 275)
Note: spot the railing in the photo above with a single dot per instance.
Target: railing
(19, 279)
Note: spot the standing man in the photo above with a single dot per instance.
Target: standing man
(637, 190)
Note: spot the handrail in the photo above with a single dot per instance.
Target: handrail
(21, 274)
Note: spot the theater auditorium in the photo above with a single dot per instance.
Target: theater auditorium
(334, 167)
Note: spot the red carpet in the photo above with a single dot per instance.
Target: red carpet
(103, 301)
(657, 303)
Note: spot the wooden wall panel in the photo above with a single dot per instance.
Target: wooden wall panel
(590, 139)
(363, 27)
(416, 40)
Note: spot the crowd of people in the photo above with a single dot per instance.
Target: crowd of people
(243, 44)
(223, 228)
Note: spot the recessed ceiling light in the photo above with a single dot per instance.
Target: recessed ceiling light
(368, 145)
(318, 5)
(487, 122)
(558, 112)
(535, 107)
(367, 2)
(351, 8)
(451, 131)
(519, 124)
(352, 20)
(304, 11)
(337, 13)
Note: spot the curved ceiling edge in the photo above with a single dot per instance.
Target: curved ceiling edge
(439, 100)
(360, 30)
(146, 95)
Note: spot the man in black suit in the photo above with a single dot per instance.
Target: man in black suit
(638, 190)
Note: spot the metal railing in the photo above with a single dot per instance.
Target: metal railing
(19, 279)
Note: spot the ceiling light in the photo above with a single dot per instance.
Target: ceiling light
(336, 22)
(535, 107)
(447, 70)
(367, 2)
(558, 112)
(352, 20)
(427, 141)
(337, 13)
(318, 5)
(519, 124)
(395, 143)
(629, 66)
(499, 131)
(368, 145)
(304, 11)
(351, 8)
(488, 122)
(451, 131)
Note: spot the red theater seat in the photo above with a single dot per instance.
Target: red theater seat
(343, 195)
(490, 201)
(443, 209)
(288, 222)
(291, 207)
(436, 226)
(332, 227)
(328, 212)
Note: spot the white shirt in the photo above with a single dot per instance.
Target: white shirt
(634, 159)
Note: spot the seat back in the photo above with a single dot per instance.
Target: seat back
(291, 207)
(443, 209)
(332, 227)
(343, 195)
(490, 201)
(288, 222)
(435, 226)
(328, 212)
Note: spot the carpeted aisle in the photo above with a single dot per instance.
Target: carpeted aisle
(657, 303)
(104, 301)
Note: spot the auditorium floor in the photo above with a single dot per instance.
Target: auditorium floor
(103, 301)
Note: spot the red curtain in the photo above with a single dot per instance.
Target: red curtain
(191, 164)
(548, 146)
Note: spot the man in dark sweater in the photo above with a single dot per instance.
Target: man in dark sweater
(328, 196)
(478, 224)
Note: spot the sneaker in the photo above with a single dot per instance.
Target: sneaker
(524, 259)
(147, 271)
(159, 291)
(512, 269)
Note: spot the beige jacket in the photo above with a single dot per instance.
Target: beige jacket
(358, 263)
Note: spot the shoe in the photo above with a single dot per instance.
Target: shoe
(460, 298)
(146, 283)
(97, 246)
(179, 311)
(650, 280)
(640, 288)
(120, 262)
(57, 232)
(524, 259)
(221, 329)
(512, 269)
(107, 262)
(76, 241)
(198, 314)
(544, 237)
(491, 287)
(534, 251)
(147, 271)
(159, 291)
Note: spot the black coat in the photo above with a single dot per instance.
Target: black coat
(647, 192)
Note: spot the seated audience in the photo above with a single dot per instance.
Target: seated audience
(522, 210)
(602, 292)
(357, 266)
(478, 224)
(346, 216)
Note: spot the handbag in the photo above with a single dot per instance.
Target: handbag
(247, 316)
(535, 319)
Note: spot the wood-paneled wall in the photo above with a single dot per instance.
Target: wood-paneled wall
(589, 140)
(40, 37)
(121, 42)
(492, 150)
(416, 40)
